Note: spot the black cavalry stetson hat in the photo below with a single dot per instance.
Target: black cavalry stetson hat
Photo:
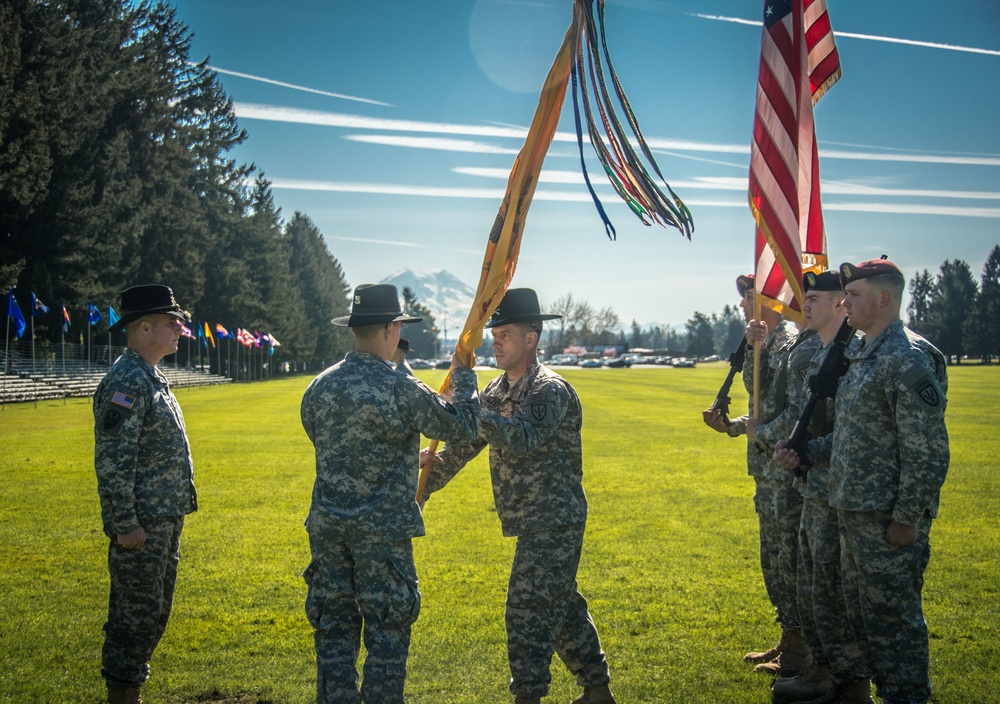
(374, 304)
(519, 305)
(147, 299)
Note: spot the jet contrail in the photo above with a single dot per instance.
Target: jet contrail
(293, 86)
(869, 37)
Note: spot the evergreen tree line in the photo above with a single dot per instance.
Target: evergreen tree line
(960, 317)
(115, 170)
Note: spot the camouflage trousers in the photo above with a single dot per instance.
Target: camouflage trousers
(545, 613)
(882, 588)
(357, 588)
(822, 609)
(779, 509)
(142, 593)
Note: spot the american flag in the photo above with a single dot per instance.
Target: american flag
(798, 64)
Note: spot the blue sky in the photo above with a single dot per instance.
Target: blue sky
(393, 125)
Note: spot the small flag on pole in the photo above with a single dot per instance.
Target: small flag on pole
(93, 314)
(186, 331)
(66, 323)
(112, 316)
(14, 311)
(208, 334)
(221, 332)
(37, 307)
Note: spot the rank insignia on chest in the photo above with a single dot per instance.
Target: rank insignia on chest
(538, 411)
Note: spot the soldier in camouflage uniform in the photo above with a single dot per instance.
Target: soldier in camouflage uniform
(822, 609)
(399, 357)
(776, 500)
(365, 420)
(531, 420)
(146, 485)
(889, 456)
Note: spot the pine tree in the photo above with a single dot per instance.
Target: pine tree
(954, 293)
(981, 330)
(423, 336)
(324, 291)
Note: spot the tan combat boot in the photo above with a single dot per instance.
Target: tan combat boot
(767, 655)
(810, 685)
(127, 695)
(793, 660)
(595, 695)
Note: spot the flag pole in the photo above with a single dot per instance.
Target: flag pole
(62, 340)
(756, 357)
(33, 368)
(6, 360)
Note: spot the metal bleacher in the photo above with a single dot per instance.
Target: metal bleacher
(81, 380)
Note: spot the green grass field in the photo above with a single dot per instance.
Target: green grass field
(669, 564)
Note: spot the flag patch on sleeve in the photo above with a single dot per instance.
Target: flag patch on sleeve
(123, 400)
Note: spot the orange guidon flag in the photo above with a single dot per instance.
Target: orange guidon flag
(505, 237)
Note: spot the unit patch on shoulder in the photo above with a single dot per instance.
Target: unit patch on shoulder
(928, 392)
(538, 411)
(117, 410)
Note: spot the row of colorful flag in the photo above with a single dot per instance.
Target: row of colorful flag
(95, 316)
(244, 337)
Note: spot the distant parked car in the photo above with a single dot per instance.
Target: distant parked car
(419, 363)
(683, 362)
(562, 359)
(591, 363)
(712, 358)
(442, 364)
(618, 362)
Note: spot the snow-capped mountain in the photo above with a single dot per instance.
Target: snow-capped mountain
(448, 297)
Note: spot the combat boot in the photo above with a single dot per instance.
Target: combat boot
(126, 695)
(856, 692)
(767, 655)
(596, 695)
(793, 660)
(811, 684)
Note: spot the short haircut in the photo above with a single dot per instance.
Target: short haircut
(368, 332)
(533, 325)
(891, 281)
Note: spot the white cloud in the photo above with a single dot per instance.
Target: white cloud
(277, 113)
(437, 143)
(582, 196)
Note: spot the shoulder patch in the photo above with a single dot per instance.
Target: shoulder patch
(928, 392)
(539, 410)
(925, 388)
(113, 418)
(123, 400)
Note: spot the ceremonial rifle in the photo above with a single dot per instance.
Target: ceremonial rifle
(822, 384)
(722, 400)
